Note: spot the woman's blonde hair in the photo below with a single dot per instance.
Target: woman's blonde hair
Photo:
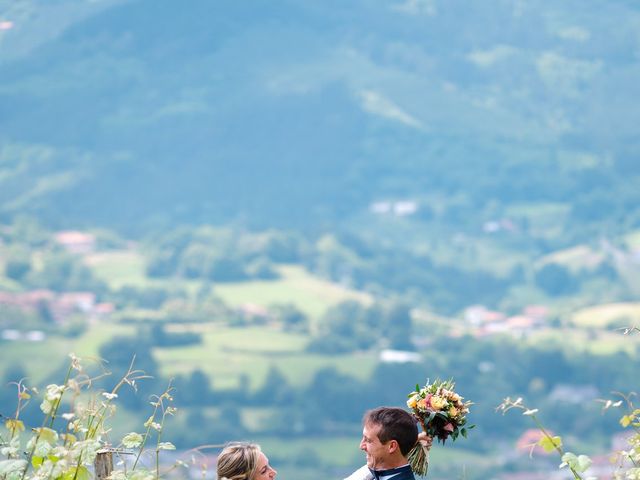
(238, 461)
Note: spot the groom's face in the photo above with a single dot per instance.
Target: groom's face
(377, 452)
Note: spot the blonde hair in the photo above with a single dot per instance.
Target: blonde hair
(238, 461)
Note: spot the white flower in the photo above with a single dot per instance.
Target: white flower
(75, 362)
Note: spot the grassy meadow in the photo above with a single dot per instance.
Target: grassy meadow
(296, 286)
(609, 315)
(227, 353)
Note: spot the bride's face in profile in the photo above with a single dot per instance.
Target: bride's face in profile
(264, 470)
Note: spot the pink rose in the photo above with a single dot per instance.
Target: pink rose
(428, 400)
(448, 427)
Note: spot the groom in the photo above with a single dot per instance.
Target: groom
(388, 435)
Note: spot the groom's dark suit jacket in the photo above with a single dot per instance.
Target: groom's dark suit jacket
(400, 473)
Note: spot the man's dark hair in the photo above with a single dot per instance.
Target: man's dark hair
(395, 424)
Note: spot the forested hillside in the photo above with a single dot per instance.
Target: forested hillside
(303, 113)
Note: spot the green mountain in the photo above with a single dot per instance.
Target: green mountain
(136, 114)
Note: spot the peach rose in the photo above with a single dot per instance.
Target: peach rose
(438, 403)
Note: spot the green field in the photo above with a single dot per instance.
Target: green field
(228, 353)
(38, 359)
(575, 258)
(41, 359)
(545, 219)
(296, 286)
(602, 316)
(225, 355)
(119, 268)
(582, 340)
(310, 294)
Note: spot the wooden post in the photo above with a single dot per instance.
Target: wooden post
(104, 463)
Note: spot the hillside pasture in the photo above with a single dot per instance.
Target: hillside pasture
(52, 354)
(575, 258)
(310, 294)
(608, 315)
(582, 340)
(38, 359)
(227, 354)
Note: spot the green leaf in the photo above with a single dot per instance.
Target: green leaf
(463, 432)
(36, 461)
(549, 444)
(47, 435)
(584, 463)
(579, 463)
(132, 440)
(83, 474)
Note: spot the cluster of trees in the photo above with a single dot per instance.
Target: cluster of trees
(223, 255)
(55, 270)
(351, 326)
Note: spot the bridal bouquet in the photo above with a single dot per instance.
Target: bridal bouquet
(442, 414)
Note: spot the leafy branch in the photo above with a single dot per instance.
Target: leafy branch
(577, 464)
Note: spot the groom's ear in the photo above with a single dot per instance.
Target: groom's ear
(393, 446)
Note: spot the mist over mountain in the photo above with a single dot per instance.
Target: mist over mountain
(137, 114)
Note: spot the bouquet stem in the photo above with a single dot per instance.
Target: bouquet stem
(419, 456)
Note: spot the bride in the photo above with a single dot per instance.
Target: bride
(244, 461)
